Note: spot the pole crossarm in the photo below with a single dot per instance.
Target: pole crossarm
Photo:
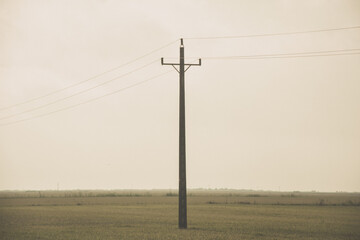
(178, 64)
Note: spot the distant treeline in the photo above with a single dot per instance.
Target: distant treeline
(198, 196)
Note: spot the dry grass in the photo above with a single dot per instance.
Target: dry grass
(153, 215)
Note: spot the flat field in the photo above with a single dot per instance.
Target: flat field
(212, 214)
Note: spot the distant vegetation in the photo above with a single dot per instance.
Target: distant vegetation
(200, 195)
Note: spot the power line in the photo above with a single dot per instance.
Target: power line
(78, 93)
(258, 56)
(89, 79)
(87, 101)
(301, 53)
(290, 55)
(272, 34)
(261, 56)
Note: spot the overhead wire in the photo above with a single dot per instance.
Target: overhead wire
(293, 56)
(89, 79)
(290, 55)
(168, 44)
(258, 56)
(80, 92)
(271, 34)
(87, 101)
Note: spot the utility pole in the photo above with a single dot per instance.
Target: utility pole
(182, 150)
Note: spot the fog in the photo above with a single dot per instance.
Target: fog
(273, 124)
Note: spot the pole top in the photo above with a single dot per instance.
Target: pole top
(181, 42)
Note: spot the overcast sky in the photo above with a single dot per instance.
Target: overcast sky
(271, 124)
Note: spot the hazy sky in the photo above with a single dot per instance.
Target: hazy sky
(279, 123)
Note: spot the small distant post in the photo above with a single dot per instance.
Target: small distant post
(182, 149)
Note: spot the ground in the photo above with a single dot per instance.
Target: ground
(222, 214)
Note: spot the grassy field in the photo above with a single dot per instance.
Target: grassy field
(215, 214)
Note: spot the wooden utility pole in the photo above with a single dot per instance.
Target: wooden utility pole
(182, 149)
